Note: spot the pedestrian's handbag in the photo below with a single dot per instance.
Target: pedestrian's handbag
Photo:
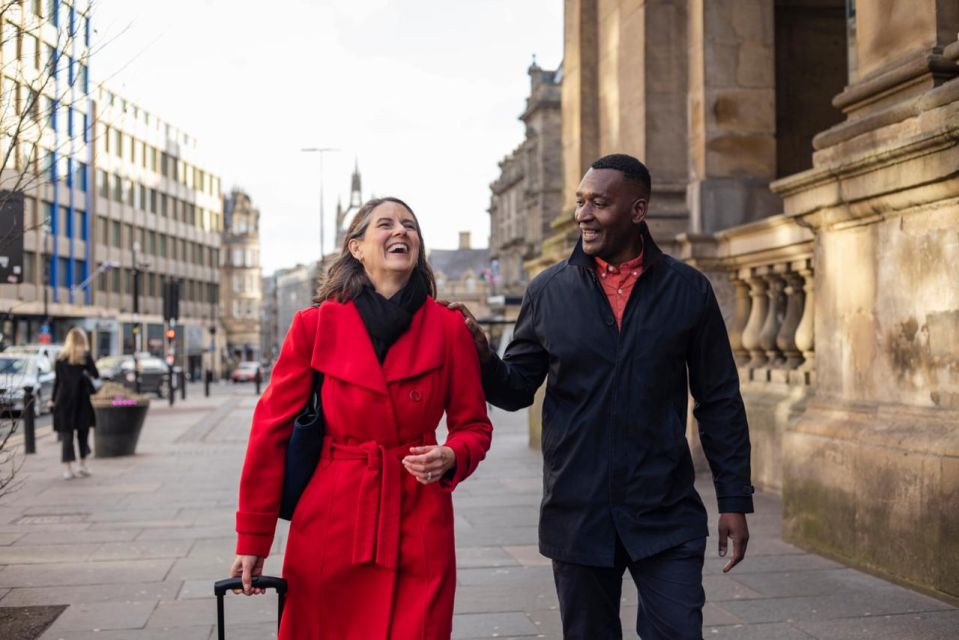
(93, 384)
(303, 450)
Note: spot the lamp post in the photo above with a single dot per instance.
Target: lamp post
(137, 340)
(320, 151)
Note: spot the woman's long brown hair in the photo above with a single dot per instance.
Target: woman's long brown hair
(346, 276)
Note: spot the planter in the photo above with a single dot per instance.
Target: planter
(118, 429)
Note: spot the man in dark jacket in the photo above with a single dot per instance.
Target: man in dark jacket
(622, 333)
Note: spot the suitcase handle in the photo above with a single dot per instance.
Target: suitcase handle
(220, 587)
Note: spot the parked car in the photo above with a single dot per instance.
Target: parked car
(50, 351)
(153, 372)
(18, 370)
(246, 372)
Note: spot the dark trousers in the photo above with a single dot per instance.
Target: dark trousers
(671, 595)
(66, 439)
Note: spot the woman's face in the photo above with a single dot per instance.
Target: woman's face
(390, 247)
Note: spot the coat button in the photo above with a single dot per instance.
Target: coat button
(415, 395)
(610, 321)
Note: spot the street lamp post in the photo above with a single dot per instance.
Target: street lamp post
(320, 151)
(137, 340)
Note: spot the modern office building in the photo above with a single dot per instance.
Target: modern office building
(159, 213)
(46, 157)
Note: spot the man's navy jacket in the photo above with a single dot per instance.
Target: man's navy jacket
(615, 457)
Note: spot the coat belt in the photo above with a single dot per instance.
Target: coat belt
(376, 536)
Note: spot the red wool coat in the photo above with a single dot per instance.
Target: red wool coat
(370, 553)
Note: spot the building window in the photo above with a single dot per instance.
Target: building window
(129, 236)
(162, 246)
(102, 188)
(79, 225)
(80, 177)
(104, 231)
(153, 201)
(118, 143)
(64, 276)
(151, 243)
(237, 257)
(29, 273)
(116, 187)
(137, 203)
(115, 280)
(163, 205)
(115, 236)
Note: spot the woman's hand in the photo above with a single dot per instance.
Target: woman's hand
(246, 567)
(428, 464)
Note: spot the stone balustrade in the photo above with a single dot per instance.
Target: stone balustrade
(767, 296)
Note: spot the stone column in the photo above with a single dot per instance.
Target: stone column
(732, 116)
(786, 340)
(774, 319)
(804, 331)
(741, 318)
(757, 316)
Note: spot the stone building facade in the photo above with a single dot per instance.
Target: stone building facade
(241, 292)
(527, 195)
(803, 155)
(462, 275)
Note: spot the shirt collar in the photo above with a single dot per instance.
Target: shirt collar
(630, 265)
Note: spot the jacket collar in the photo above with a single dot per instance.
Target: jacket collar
(342, 347)
(651, 252)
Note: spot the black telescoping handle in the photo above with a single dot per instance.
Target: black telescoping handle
(220, 587)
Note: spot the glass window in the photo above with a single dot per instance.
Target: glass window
(104, 231)
(163, 205)
(118, 143)
(31, 51)
(80, 176)
(153, 201)
(63, 278)
(102, 188)
(151, 242)
(127, 191)
(128, 234)
(29, 273)
(115, 237)
(79, 222)
(62, 218)
(137, 203)
(115, 280)
(162, 246)
(116, 188)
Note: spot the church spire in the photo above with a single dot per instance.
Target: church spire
(356, 191)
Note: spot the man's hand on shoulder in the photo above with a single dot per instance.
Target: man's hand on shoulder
(479, 336)
(733, 525)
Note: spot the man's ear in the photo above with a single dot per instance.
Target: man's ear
(639, 210)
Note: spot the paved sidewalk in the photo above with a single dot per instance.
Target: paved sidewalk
(134, 550)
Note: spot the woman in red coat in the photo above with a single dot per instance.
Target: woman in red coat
(370, 553)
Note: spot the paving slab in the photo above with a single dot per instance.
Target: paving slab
(135, 549)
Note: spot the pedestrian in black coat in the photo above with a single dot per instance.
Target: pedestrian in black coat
(72, 411)
(623, 334)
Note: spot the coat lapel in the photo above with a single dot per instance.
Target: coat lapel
(342, 347)
(418, 350)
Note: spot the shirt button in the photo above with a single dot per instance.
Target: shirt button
(611, 268)
(634, 273)
(415, 395)
(619, 291)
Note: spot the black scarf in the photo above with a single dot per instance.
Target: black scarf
(386, 320)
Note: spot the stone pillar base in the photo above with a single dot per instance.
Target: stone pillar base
(877, 488)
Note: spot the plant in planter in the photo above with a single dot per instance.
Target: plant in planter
(120, 413)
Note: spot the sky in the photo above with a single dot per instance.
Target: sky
(424, 95)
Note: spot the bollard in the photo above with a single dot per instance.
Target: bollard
(182, 384)
(257, 378)
(29, 426)
(207, 378)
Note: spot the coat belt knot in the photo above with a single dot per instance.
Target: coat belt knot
(378, 507)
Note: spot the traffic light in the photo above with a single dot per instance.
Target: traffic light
(171, 300)
(170, 336)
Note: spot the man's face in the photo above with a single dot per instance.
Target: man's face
(609, 210)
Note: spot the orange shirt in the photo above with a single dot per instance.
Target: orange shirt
(618, 282)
